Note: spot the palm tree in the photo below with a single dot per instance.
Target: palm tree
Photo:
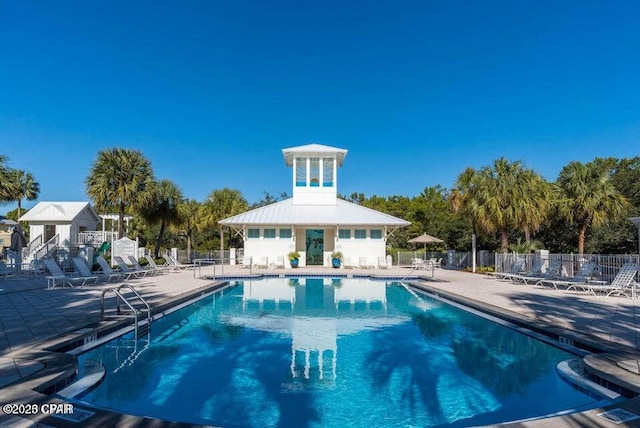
(163, 209)
(7, 184)
(120, 179)
(189, 210)
(589, 197)
(219, 205)
(25, 187)
(536, 202)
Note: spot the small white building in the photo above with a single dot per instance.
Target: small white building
(314, 221)
(63, 221)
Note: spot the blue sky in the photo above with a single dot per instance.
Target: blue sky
(211, 91)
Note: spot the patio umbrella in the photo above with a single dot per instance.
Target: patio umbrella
(7, 221)
(425, 239)
(18, 242)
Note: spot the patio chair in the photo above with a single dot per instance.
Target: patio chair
(159, 268)
(263, 263)
(552, 271)
(382, 263)
(348, 264)
(104, 267)
(173, 262)
(363, 263)
(622, 284)
(5, 271)
(124, 268)
(58, 277)
(516, 269)
(81, 266)
(584, 274)
(279, 264)
(138, 267)
(247, 262)
(417, 263)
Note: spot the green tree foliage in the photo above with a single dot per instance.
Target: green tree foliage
(120, 179)
(24, 187)
(589, 197)
(220, 204)
(189, 210)
(163, 209)
(7, 183)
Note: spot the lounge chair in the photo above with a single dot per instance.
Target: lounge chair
(124, 268)
(348, 264)
(138, 267)
(363, 263)
(279, 264)
(382, 263)
(583, 276)
(81, 266)
(516, 269)
(5, 271)
(58, 277)
(173, 262)
(159, 268)
(263, 263)
(104, 267)
(622, 284)
(247, 262)
(552, 271)
(417, 263)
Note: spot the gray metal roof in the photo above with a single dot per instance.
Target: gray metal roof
(313, 150)
(286, 213)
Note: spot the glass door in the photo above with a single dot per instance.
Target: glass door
(314, 247)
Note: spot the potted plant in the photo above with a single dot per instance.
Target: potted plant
(336, 259)
(294, 259)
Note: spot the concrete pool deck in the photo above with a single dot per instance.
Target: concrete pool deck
(32, 318)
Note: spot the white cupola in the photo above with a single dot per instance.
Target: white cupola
(315, 173)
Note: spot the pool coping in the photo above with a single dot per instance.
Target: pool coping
(60, 367)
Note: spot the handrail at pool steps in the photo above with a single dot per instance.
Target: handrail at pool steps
(134, 311)
(198, 265)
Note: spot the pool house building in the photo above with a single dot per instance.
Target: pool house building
(314, 222)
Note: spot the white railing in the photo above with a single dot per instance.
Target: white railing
(96, 237)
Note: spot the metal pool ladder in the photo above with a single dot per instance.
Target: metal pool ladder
(133, 311)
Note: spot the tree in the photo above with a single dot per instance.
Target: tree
(219, 205)
(164, 208)
(7, 184)
(189, 210)
(536, 202)
(120, 179)
(24, 187)
(589, 197)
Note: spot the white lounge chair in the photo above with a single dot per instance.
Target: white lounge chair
(263, 263)
(516, 269)
(176, 264)
(81, 266)
(247, 262)
(279, 264)
(159, 268)
(363, 263)
(138, 267)
(622, 284)
(106, 268)
(5, 271)
(58, 277)
(122, 265)
(583, 276)
(382, 263)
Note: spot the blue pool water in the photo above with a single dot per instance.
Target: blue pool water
(322, 352)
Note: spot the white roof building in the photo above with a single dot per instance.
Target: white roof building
(64, 219)
(314, 221)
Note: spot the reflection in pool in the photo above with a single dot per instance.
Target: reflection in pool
(326, 352)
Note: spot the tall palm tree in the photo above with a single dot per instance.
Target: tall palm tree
(25, 187)
(120, 179)
(219, 205)
(536, 201)
(7, 184)
(189, 211)
(589, 197)
(163, 208)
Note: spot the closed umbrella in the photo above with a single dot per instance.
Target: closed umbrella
(18, 242)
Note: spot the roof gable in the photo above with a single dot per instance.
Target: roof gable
(314, 149)
(59, 211)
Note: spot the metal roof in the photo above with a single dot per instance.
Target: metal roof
(286, 213)
(313, 150)
(58, 211)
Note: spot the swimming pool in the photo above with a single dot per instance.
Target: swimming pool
(328, 352)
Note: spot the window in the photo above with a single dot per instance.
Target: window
(285, 233)
(269, 234)
(327, 172)
(301, 172)
(375, 233)
(360, 233)
(314, 169)
(344, 234)
(253, 233)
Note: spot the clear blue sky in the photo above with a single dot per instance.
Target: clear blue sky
(211, 91)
